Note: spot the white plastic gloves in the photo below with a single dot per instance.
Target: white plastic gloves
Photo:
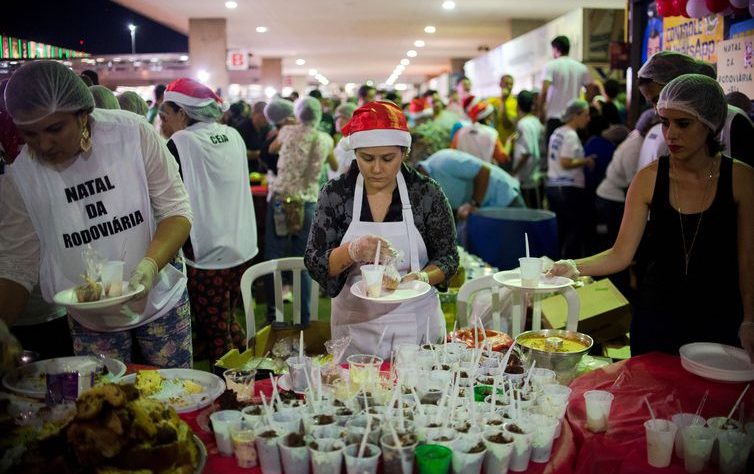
(144, 274)
(363, 248)
(564, 268)
(420, 276)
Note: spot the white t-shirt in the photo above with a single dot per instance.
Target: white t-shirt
(215, 173)
(479, 140)
(653, 146)
(566, 76)
(564, 143)
(530, 132)
(622, 169)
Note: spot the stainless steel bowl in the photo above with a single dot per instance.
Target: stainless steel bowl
(560, 362)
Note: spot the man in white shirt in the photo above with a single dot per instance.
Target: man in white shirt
(526, 152)
(563, 79)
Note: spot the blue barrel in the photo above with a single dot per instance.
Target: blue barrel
(496, 234)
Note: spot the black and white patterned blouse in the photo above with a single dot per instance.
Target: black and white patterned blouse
(432, 217)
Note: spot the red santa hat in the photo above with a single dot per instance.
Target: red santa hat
(420, 108)
(479, 111)
(379, 123)
(188, 92)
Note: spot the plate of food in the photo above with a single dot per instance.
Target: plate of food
(403, 293)
(92, 295)
(183, 389)
(30, 380)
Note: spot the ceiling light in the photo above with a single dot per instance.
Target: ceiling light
(411, 53)
(183, 57)
(419, 43)
(401, 87)
(132, 28)
(405, 62)
(154, 60)
(400, 68)
(261, 29)
(300, 62)
(231, 5)
(202, 75)
(370, 83)
(270, 92)
(429, 29)
(448, 5)
(312, 72)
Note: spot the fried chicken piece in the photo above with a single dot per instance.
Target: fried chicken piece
(93, 443)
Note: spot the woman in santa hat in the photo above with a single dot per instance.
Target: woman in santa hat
(212, 161)
(101, 180)
(380, 199)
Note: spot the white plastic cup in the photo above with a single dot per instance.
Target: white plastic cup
(252, 416)
(244, 448)
(734, 451)
(598, 404)
(365, 465)
(268, 451)
(397, 460)
(682, 420)
(223, 423)
(543, 437)
(499, 455)
(112, 278)
(521, 444)
(297, 372)
(328, 457)
(541, 377)
(697, 447)
(290, 422)
(356, 426)
(294, 458)
(465, 462)
(660, 436)
(531, 271)
(556, 394)
(372, 277)
(444, 437)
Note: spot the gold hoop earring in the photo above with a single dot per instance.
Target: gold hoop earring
(86, 139)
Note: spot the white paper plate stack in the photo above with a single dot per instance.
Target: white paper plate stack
(718, 362)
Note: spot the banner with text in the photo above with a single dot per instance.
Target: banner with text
(697, 37)
(735, 65)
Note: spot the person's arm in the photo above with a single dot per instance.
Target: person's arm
(742, 139)
(543, 101)
(743, 194)
(252, 154)
(481, 183)
(524, 158)
(332, 161)
(499, 153)
(571, 163)
(508, 121)
(276, 145)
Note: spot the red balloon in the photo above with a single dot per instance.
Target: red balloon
(680, 7)
(665, 8)
(716, 6)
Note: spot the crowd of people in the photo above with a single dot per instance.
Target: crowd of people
(346, 174)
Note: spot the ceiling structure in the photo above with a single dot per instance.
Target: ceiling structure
(359, 40)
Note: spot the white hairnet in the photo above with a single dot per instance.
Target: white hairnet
(308, 110)
(278, 110)
(39, 89)
(205, 113)
(665, 66)
(345, 110)
(574, 107)
(697, 95)
(104, 98)
(133, 102)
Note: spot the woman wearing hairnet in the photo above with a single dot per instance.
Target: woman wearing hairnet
(693, 212)
(565, 179)
(302, 150)
(133, 102)
(102, 179)
(104, 98)
(223, 239)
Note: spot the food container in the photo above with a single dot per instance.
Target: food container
(550, 356)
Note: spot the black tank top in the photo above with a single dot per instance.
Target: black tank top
(704, 305)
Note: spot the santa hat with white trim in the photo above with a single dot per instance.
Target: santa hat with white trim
(379, 123)
(190, 93)
(479, 111)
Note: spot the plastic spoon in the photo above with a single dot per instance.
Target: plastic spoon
(526, 240)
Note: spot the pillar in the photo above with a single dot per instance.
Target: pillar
(272, 74)
(207, 51)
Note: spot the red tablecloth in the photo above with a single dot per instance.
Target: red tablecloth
(623, 448)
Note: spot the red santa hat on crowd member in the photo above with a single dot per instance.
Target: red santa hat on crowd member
(379, 123)
(188, 92)
(419, 108)
(468, 102)
(479, 111)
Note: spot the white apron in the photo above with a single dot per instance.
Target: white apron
(99, 199)
(405, 322)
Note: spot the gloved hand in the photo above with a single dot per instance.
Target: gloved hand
(420, 276)
(746, 335)
(144, 274)
(564, 268)
(465, 210)
(363, 248)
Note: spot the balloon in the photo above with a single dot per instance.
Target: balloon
(751, 7)
(697, 9)
(680, 7)
(665, 8)
(716, 6)
(739, 3)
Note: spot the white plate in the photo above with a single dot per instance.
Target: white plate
(30, 379)
(284, 383)
(717, 362)
(67, 298)
(403, 294)
(512, 279)
(173, 393)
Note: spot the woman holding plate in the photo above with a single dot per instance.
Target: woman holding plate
(380, 199)
(92, 180)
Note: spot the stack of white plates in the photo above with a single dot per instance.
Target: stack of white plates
(717, 362)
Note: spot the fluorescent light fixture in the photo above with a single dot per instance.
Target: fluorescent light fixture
(405, 62)
(312, 72)
(261, 29)
(270, 92)
(411, 53)
(448, 5)
(231, 5)
(183, 57)
(419, 43)
(401, 87)
(300, 62)
(429, 29)
(202, 75)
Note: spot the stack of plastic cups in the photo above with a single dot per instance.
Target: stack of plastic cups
(397, 459)
(294, 454)
(468, 455)
(267, 449)
(598, 403)
(734, 451)
(555, 402)
(363, 465)
(521, 432)
(697, 447)
(660, 437)
(326, 455)
(543, 437)
(682, 420)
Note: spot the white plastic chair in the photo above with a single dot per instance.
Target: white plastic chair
(276, 267)
(464, 297)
